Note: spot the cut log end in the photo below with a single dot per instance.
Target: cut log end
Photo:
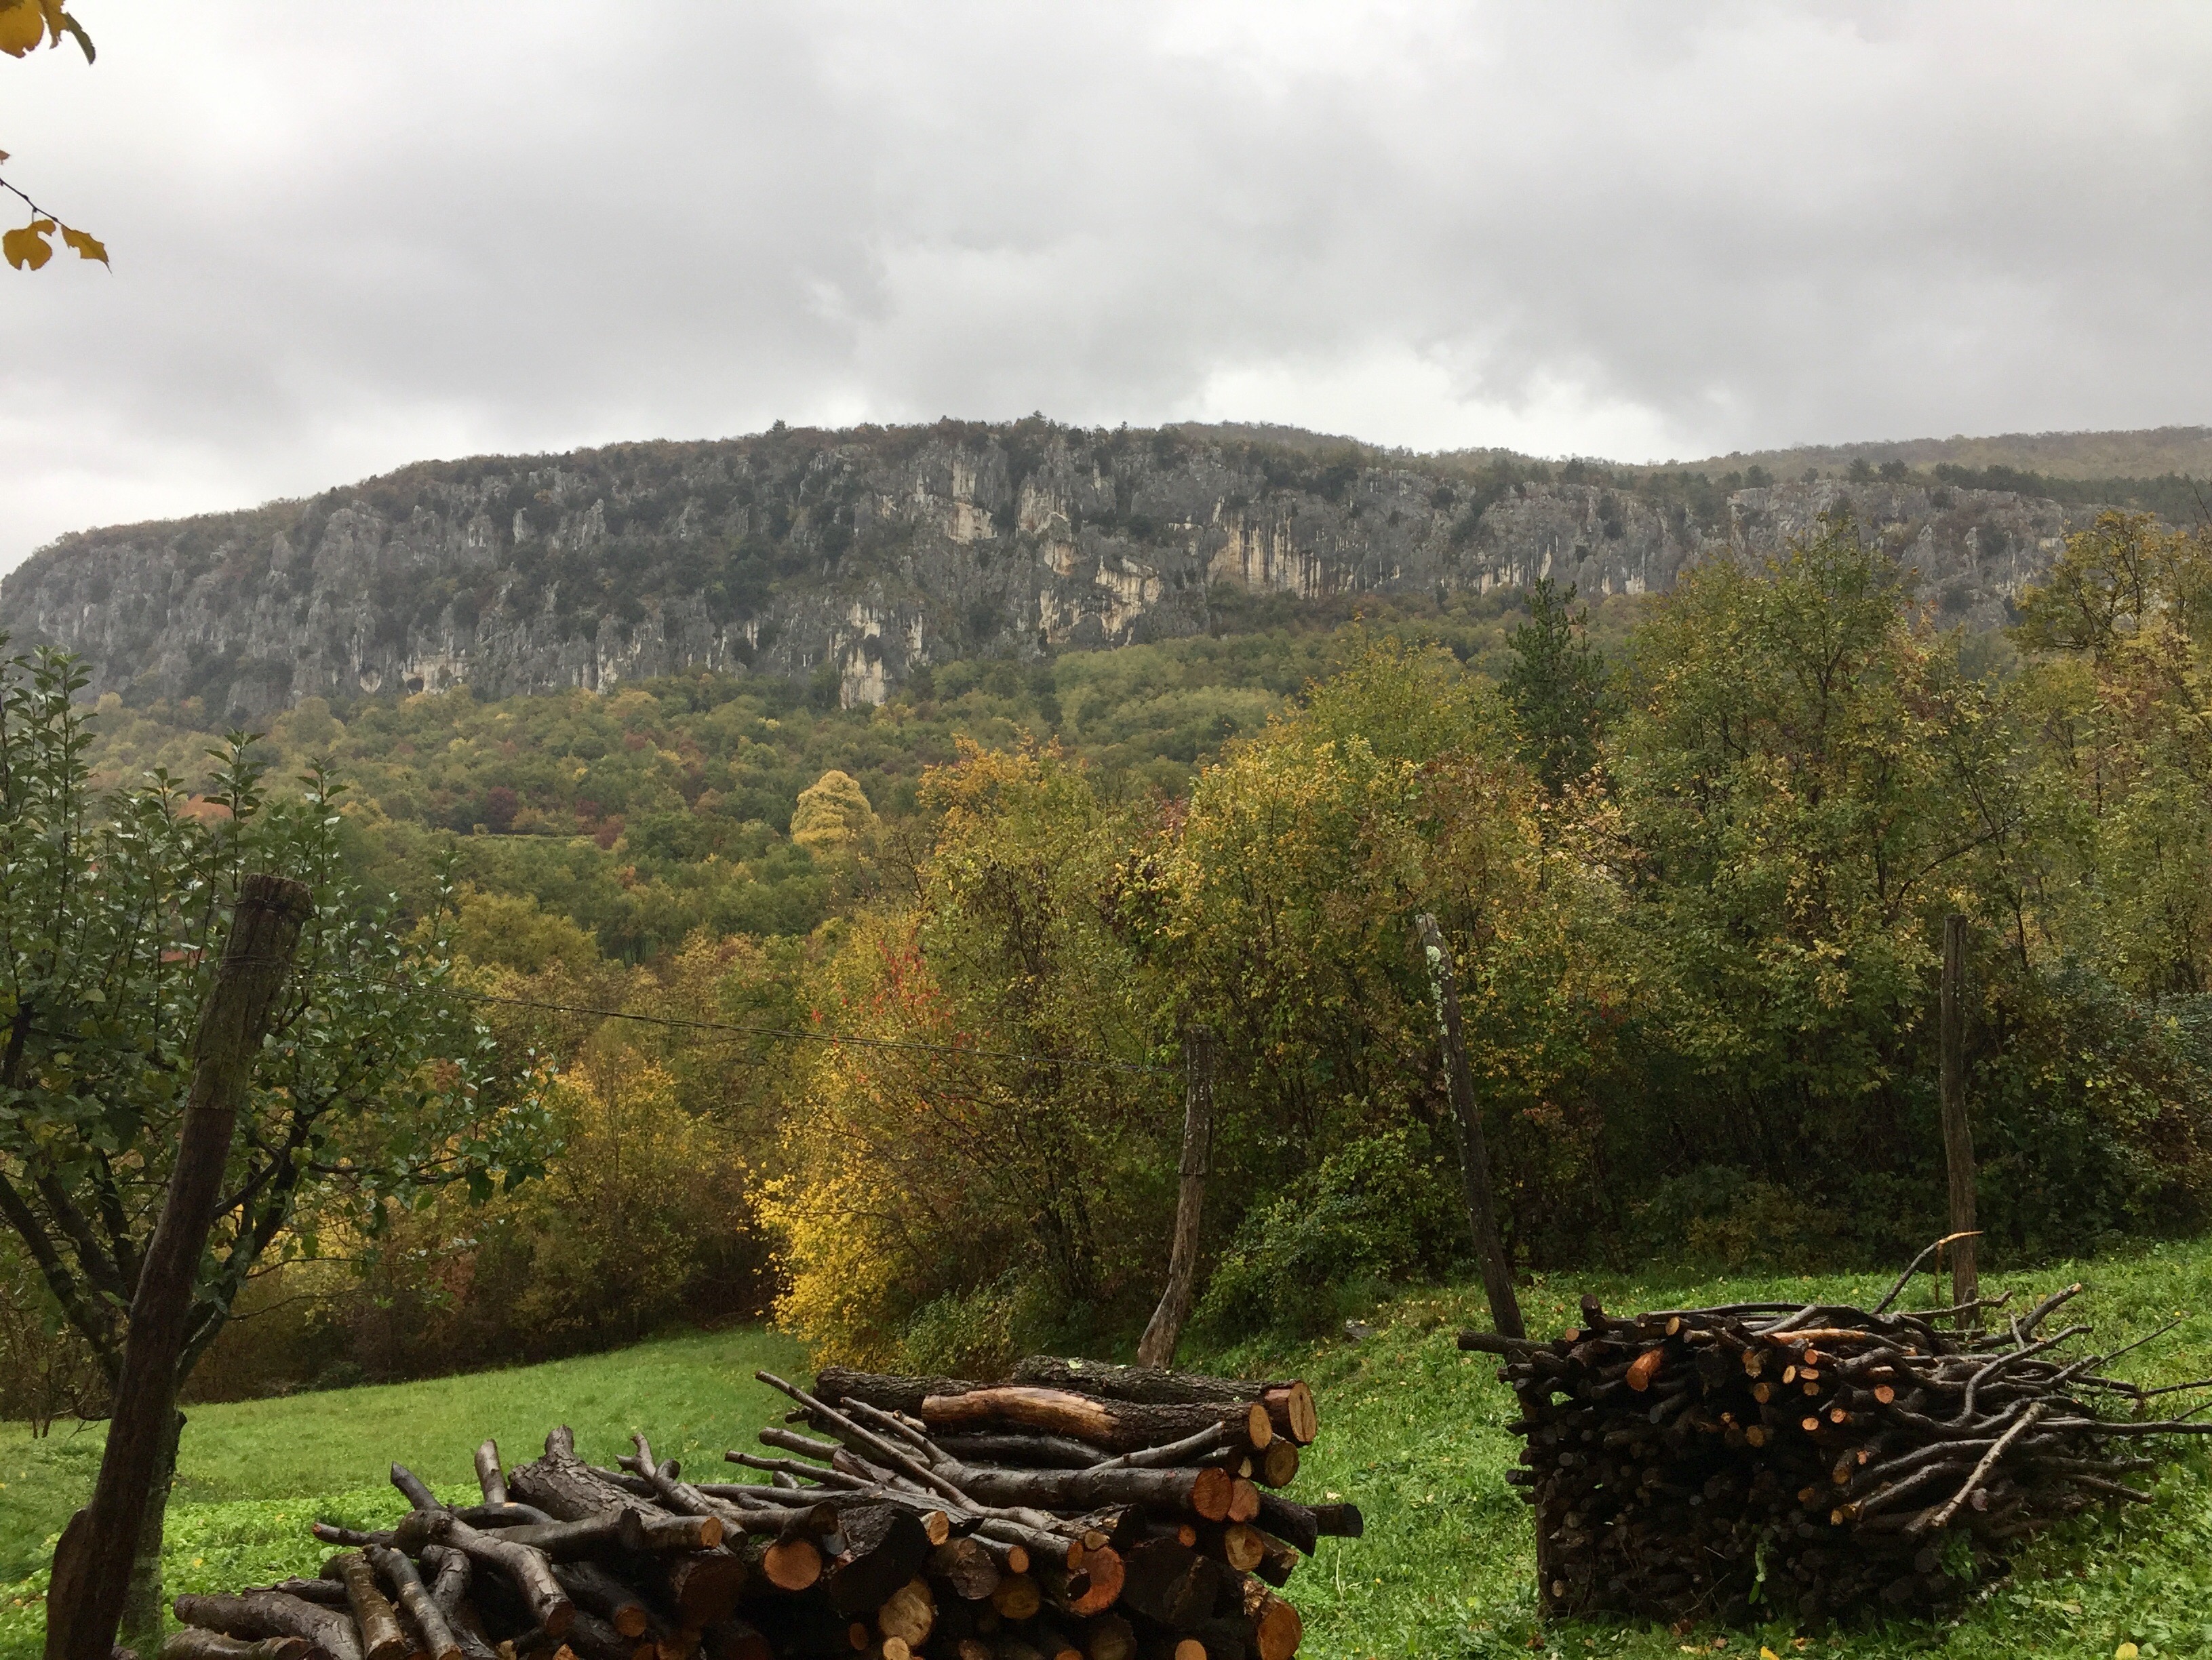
(1212, 1492)
(793, 1565)
(1277, 1630)
(1017, 1597)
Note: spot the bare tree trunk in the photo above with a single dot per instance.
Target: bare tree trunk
(1957, 1134)
(1474, 1153)
(94, 1567)
(143, 1605)
(1158, 1346)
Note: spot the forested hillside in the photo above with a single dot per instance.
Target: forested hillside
(874, 1015)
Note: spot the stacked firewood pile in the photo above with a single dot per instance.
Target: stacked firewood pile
(1077, 1512)
(1736, 1461)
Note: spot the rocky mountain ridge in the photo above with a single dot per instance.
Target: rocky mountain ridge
(850, 559)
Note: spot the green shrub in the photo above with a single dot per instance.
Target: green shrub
(1384, 1209)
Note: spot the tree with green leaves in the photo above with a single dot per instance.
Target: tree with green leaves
(374, 1087)
(1557, 687)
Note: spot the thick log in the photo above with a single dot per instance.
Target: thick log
(1011, 1555)
(272, 1613)
(439, 1641)
(908, 1614)
(1276, 1628)
(592, 1587)
(193, 1644)
(1290, 1401)
(886, 1391)
(788, 1564)
(450, 1572)
(1277, 1562)
(965, 1567)
(884, 1547)
(1239, 1544)
(1092, 1586)
(332, 1591)
(1304, 1526)
(1170, 1584)
(704, 1585)
(1021, 1450)
(372, 1615)
(528, 1570)
(1114, 1426)
(567, 1488)
(1207, 1491)
(630, 1528)
(1017, 1597)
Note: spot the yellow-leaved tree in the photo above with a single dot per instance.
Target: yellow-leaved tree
(23, 25)
(832, 816)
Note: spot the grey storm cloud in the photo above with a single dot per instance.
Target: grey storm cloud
(348, 236)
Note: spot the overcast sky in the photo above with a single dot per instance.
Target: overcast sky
(350, 235)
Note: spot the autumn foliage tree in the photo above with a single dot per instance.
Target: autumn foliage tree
(24, 25)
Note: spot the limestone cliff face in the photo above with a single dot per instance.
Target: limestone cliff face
(857, 556)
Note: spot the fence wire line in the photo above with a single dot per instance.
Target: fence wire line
(788, 1034)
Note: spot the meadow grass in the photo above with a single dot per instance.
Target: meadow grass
(254, 1474)
(1413, 1431)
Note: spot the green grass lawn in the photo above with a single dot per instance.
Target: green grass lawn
(253, 1474)
(1411, 1429)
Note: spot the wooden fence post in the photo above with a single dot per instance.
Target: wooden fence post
(1474, 1153)
(1158, 1346)
(1958, 1134)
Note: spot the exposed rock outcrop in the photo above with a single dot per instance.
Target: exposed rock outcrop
(856, 556)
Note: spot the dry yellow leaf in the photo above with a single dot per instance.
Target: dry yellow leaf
(88, 245)
(23, 25)
(27, 249)
(59, 23)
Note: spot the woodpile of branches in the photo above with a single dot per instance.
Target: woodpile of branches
(1078, 1511)
(1733, 1462)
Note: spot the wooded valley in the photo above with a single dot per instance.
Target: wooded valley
(915, 979)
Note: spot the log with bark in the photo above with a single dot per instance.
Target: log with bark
(1132, 1492)
(1099, 1513)
(1815, 1461)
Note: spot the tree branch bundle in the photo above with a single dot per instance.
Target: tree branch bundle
(1073, 1512)
(1758, 1459)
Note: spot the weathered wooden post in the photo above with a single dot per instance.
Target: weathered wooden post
(1958, 1134)
(1158, 1346)
(1473, 1153)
